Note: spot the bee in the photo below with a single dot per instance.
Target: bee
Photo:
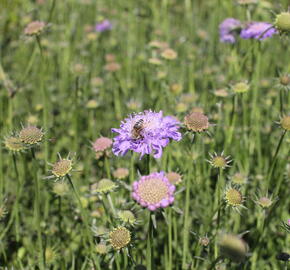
(137, 129)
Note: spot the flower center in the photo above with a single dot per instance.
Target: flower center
(152, 190)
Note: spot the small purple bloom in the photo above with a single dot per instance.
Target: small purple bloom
(153, 191)
(227, 28)
(145, 133)
(103, 26)
(258, 30)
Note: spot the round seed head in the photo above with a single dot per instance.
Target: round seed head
(285, 80)
(174, 178)
(34, 28)
(104, 186)
(265, 202)
(121, 173)
(221, 93)
(169, 54)
(31, 135)
(176, 88)
(282, 22)
(127, 216)
(204, 241)
(119, 238)
(101, 248)
(240, 87)
(219, 162)
(14, 144)
(239, 178)
(61, 188)
(233, 197)
(102, 144)
(233, 247)
(285, 122)
(196, 122)
(61, 168)
(50, 255)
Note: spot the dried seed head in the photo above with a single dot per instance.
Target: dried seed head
(204, 241)
(233, 197)
(169, 54)
(233, 247)
(240, 87)
(61, 188)
(104, 186)
(239, 179)
(174, 178)
(34, 28)
(14, 144)
(219, 161)
(121, 173)
(265, 202)
(282, 22)
(127, 216)
(196, 122)
(61, 168)
(101, 248)
(31, 135)
(285, 122)
(120, 237)
(285, 80)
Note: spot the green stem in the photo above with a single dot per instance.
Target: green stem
(149, 251)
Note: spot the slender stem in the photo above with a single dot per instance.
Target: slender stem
(107, 166)
(111, 204)
(149, 252)
(37, 209)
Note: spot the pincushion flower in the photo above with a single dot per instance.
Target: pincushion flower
(145, 133)
(227, 28)
(103, 26)
(258, 30)
(153, 191)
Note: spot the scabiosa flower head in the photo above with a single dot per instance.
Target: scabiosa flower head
(258, 30)
(282, 22)
(169, 54)
(103, 26)
(196, 122)
(34, 28)
(31, 135)
(121, 173)
(101, 248)
(61, 168)
(14, 144)
(101, 146)
(285, 122)
(204, 241)
(233, 247)
(145, 133)
(127, 216)
(239, 179)
(219, 161)
(174, 178)
(234, 198)
(240, 87)
(104, 186)
(61, 188)
(227, 29)
(153, 191)
(120, 237)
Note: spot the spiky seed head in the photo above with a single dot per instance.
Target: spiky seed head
(233, 247)
(121, 173)
(282, 22)
(101, 248)
(34, 28)
(61, 188)
(169, 54)
(196, 122)
(31, 135)
(174, 178)
(204, 241)
(219, 161)
(233, 197)
(239, 178)
(241, 87)
(120, 237)
(104, 186)
(285, 122)
(265, 202)
(14, 144)
(127, 216)
(61, 168)
(176, 88)
(51, 255)
(285, 80)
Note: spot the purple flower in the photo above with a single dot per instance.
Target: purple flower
(227, 28)
(103, 26)
(258, 30)
(153, 191)
(145, 133)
